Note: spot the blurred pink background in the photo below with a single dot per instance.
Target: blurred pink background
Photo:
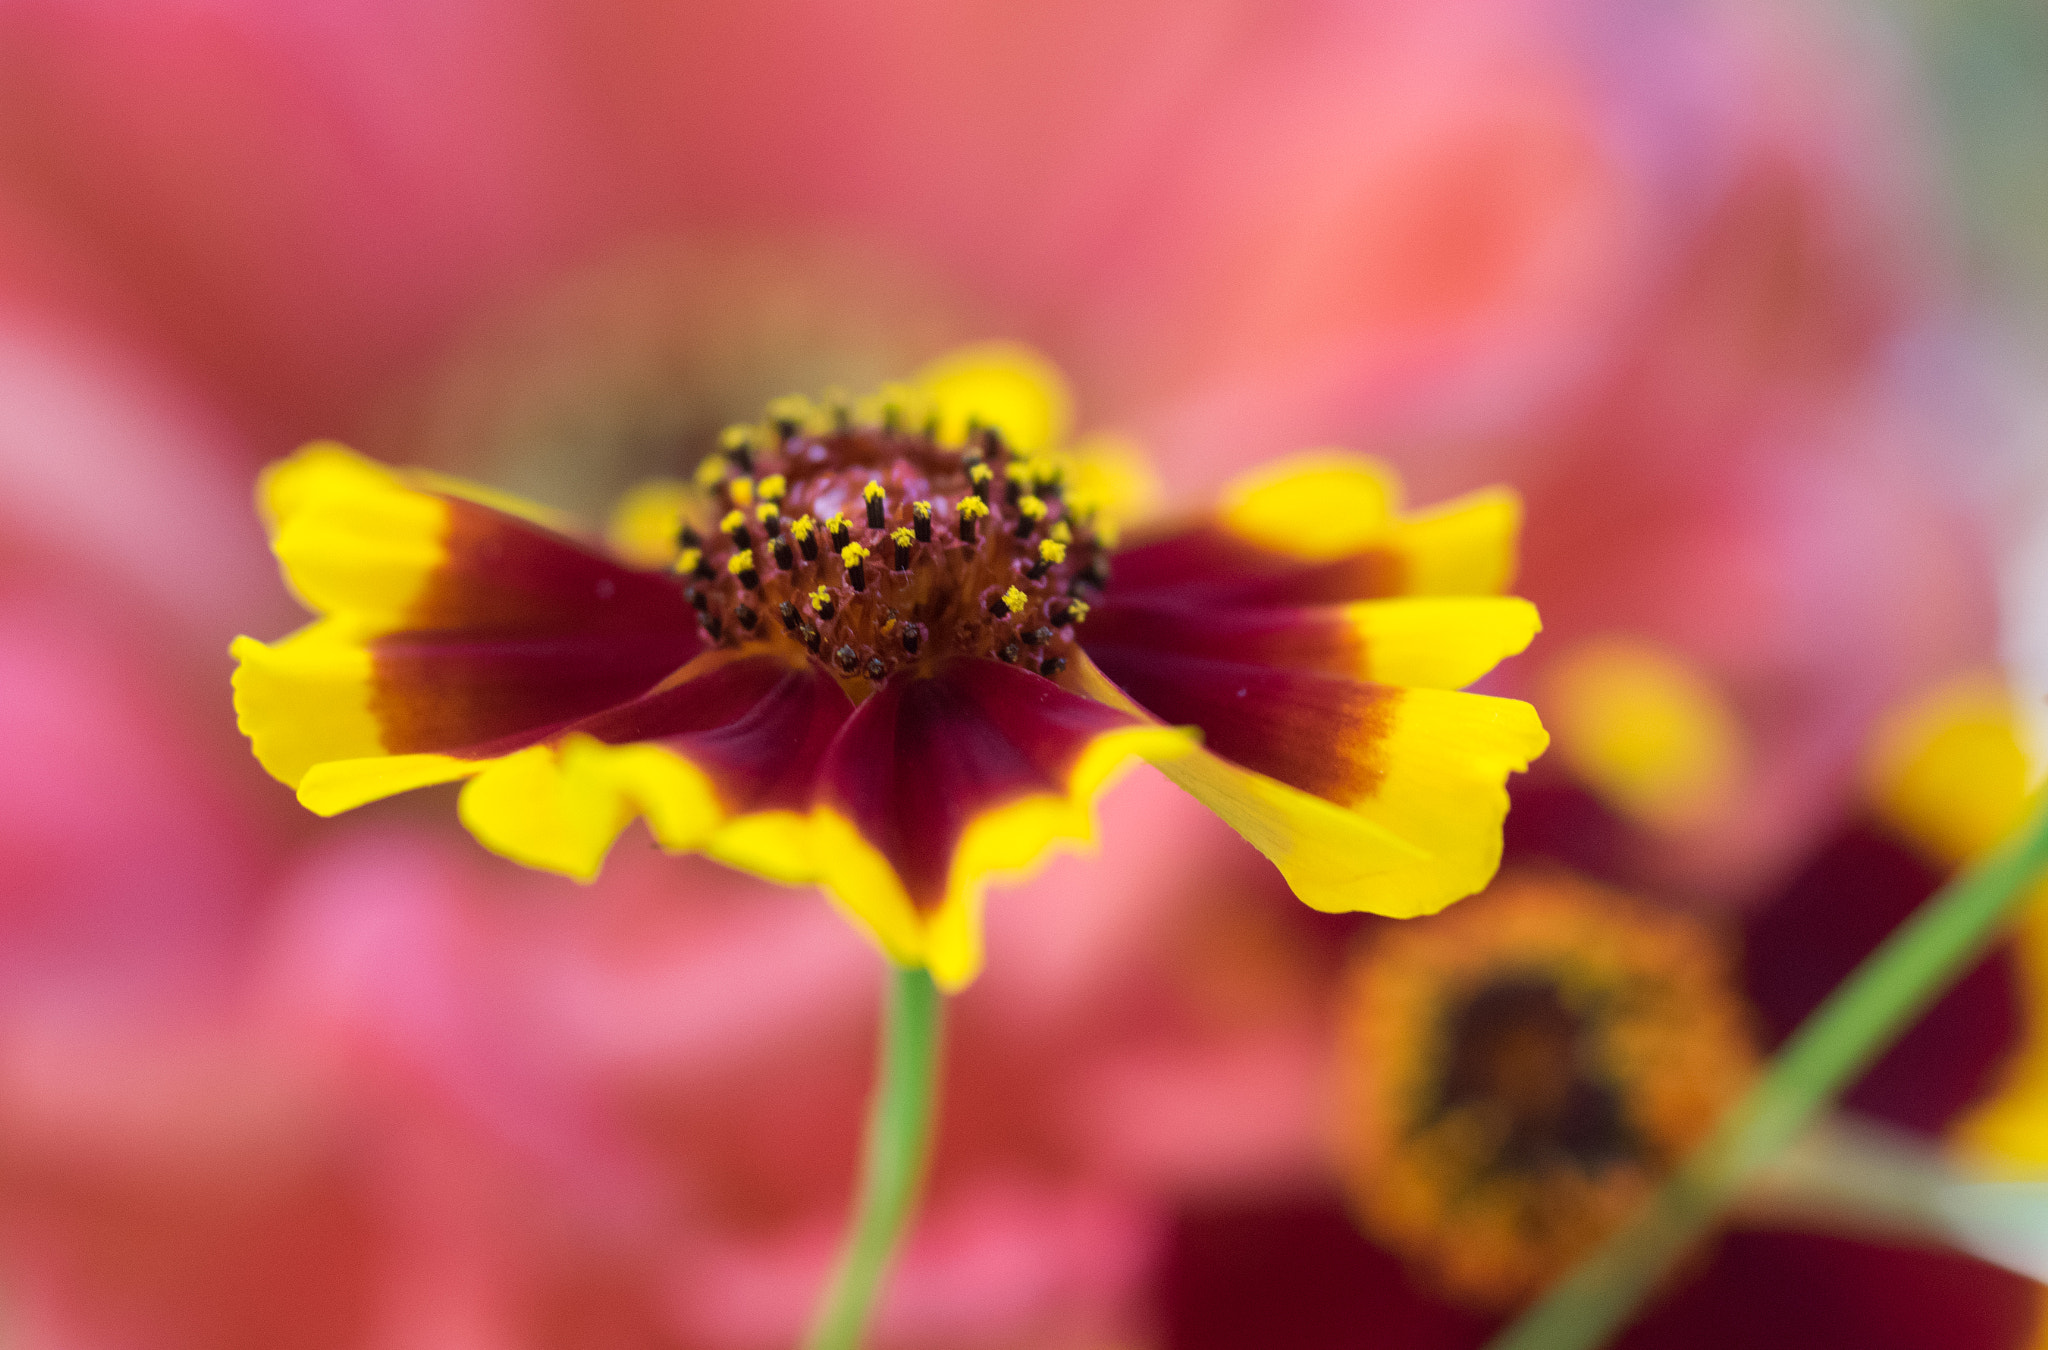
(1690, 276)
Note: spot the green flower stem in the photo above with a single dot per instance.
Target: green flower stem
(892, 1161)
(1859, 1020)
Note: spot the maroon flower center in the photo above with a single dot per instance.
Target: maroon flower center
(877, 550)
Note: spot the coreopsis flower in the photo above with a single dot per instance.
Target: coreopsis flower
(1519, 1078)
(1520, 1075)
(892, 655)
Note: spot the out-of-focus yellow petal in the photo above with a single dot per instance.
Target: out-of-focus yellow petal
(1440, 642)
(352, 536)
(533, 513)
(2009, 1129)
(1947, 770)
(306, 699)
(1005, 385)
(1113, 477)
(1318, 506)
(1648, 733)
(1465, 546)
(643, 528)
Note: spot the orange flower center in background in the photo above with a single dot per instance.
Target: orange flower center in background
(1521, 1073)
(874, 549)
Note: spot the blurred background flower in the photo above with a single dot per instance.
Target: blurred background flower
(1729, 290)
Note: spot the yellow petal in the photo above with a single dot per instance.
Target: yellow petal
(1440, 642)
(1112, 477)
(1006, 844)
(1948, 771)
(306, 699)
(560, 806)
(1318, 506)
(1006, 385)
(1648, 733)
(1427, 830)
(1465, 546)
(643, 528)
(341, 785)
(352, 536)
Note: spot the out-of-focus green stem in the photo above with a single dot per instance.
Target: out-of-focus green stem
(892, 1161)
(1912, 968)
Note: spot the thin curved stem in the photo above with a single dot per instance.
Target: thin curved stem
(1859, 1020)
(892, 1160)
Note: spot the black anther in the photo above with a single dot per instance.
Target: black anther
(789, 616)
(698, 600)
(1051, 666)
(911, 637)
(847, 658)
(746, 615)
(876, 670)
(811, 638)
(877, 512)
(1009, 654)
(783, 557)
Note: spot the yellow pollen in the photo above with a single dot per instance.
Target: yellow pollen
(872, 492)
(733, 520)
(900, 536)
(772, 487)
(1014, 600)
(819, 598)
(741, 490)
(1052, 551)
(738, 436)
(768, 511)
(972, 508)
(689, 558)
(1061, 533)
(852, 555)
(800, 529)
(709, 471)
(740, 562)
(1031, 506)
(838, 522)
(980, 474)
(922, 510)
(1044, 471)
(1077, 610)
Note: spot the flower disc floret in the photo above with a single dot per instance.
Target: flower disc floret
(898, 566)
